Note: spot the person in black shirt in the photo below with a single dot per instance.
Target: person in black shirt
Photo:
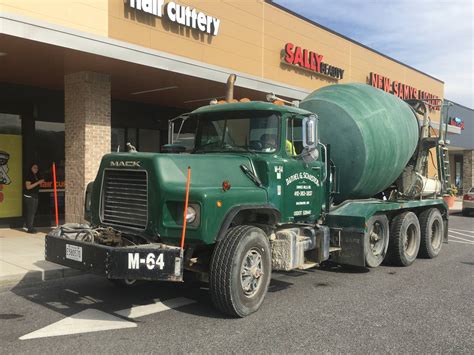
(32, 186)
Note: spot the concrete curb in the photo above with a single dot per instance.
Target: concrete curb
(37, 276)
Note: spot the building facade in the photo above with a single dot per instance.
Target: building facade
(461, 147)
(82, 78)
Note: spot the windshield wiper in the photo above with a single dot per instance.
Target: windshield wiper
(251, 175)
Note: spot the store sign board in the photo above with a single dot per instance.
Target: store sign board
(403, 91)
(310, 61)
(11, 180)
(456, 121)
(180, 14)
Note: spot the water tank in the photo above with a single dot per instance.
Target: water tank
(372, 135)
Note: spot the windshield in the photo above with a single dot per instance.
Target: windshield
(255, 131)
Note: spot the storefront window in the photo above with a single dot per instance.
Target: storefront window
(145, 140)
(149, 140)
(118, 140)
(11, 177)
(49, 149)
(458, 171)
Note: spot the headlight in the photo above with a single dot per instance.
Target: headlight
(191, 214)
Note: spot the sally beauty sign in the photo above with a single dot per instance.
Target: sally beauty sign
(183, 15)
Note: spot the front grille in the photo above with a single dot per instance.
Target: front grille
(124, 198)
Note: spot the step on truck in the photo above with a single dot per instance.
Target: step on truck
(266, 186)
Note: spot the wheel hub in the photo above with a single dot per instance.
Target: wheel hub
(376, 241)
(251, 272)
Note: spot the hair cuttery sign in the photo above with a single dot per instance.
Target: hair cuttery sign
(311, 61)
(182, 15)
(403, 91)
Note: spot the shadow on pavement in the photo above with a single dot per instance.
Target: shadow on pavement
(345, 269)
(74, 294)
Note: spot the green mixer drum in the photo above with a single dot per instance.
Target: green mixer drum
(372, 135)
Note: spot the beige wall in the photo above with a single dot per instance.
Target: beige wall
(84, 15)
(251, 40)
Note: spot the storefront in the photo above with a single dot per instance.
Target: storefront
(82, 78)
(461, 147)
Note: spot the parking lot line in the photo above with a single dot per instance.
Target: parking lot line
(87, 321)
(463, 234)
(144, 310)
(460, 240)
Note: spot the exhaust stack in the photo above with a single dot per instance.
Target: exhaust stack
(229, 95)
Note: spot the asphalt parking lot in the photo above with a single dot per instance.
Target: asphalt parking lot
(425, 308)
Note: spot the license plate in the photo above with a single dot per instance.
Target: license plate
(151, 261)
(73, 252)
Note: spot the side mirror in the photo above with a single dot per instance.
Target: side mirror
(310, 139)
(310, 132)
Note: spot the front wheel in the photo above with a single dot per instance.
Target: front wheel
(240, 271)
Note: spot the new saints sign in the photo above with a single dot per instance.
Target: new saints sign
(182, 15)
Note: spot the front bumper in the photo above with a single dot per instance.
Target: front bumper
(153, 262)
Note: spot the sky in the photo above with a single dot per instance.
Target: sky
(433, 36)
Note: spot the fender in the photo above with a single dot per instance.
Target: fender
(237, 209)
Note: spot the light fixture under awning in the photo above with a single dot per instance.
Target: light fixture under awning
(154, 90)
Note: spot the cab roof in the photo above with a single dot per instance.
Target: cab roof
(250, 106)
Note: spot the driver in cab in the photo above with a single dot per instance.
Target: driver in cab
(269, 143)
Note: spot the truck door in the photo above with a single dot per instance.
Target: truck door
(303, 171)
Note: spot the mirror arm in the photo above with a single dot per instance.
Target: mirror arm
(325, 162)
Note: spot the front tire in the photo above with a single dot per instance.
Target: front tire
(240, 271)
(404, 239)
(432, 231)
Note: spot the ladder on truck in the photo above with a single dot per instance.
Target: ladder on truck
(444, 171)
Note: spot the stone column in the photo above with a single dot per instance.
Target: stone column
(467, 170)
(87, 135)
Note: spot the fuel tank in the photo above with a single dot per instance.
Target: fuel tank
(372, 135)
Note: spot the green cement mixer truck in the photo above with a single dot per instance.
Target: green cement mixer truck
(343, 177)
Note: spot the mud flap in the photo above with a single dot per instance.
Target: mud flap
(351, 242)
(445, 237)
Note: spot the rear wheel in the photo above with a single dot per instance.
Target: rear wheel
(432, 231)
(240, 271)
(376, 241)
(404, 239)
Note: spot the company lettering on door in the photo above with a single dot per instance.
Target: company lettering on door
(180, 14)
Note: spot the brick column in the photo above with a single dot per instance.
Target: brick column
(87, 135)
(467, 170)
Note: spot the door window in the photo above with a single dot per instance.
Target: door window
(294, 137)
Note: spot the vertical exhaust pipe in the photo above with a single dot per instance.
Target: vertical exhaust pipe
(229, 95)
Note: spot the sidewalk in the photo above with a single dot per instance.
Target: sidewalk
(22, 259)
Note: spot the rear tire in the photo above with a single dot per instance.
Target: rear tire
(376, 241)
(404, 239)
(240, 271)
(432, 232)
